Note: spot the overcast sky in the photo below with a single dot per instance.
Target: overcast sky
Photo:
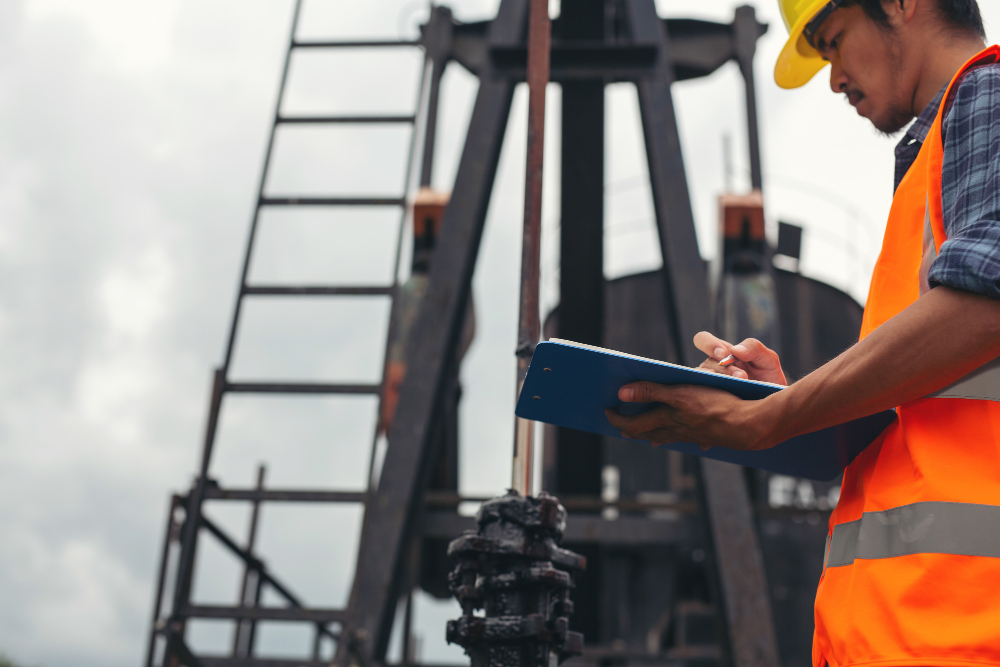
(131, 136)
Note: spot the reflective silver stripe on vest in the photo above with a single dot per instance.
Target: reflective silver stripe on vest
(982, 383)
(960, 529)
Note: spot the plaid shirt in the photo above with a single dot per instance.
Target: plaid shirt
(970, 181)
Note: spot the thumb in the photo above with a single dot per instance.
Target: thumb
(644, 392)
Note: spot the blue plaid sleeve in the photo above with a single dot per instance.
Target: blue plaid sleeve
(970, 187)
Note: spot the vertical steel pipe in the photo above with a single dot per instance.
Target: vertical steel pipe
(745, 36)
(529, 329)
(241, 643)
(168, 539)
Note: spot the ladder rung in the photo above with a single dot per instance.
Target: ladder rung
(347, 44)
(297, 496)
(345, 119)
(301, 388)
(314, 290)
(332, 201)
(266, 613)
(219, 661)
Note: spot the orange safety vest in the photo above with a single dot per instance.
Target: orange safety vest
(912, 570)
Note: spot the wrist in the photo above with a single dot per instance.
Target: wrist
(770, 422)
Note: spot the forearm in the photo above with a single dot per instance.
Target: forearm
(940, 338)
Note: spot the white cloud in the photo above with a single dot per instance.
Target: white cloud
(130, 36)
(131, 135)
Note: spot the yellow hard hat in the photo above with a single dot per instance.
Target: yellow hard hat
(799, 61)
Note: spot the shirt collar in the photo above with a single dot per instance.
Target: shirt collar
(918, 130)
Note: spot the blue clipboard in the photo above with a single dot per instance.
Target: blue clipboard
(569, 384)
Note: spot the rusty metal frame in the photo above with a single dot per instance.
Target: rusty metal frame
(660, 52)
(394, 510)
(745, 600)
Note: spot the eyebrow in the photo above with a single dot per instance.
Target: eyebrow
(819, 39)
(816, 23)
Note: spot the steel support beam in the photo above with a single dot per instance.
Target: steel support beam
(175, 502)
(436, 39)
(190, 528)
(581, 260)
(697, 48)
(578, 454)
(746, 31)
(250, 583)
(179, 650)
(392, 513)
(744, 594)
(265, 613)
(293, 496)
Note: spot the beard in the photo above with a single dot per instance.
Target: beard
(899, 112)
(892, 120)
(888, 121)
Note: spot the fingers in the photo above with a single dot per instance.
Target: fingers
(717, 349)
(753, 359)
(752, 351)
(738, 372)
(655, 426)
(636, 425)
(617, 420)
(657, 436)
(713, 365)
(646, 392)
(711, 345)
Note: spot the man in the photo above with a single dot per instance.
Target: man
(913, 556)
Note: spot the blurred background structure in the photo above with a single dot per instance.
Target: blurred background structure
(130, 143)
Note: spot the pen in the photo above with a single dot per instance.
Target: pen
(728, 361)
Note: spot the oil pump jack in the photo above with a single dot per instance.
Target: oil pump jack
(686, 560)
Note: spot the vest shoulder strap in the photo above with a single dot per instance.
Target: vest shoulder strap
(935, 144)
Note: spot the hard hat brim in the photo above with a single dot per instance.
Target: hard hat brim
(798, 62)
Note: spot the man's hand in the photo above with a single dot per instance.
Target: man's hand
(754, 360)
(707, 417)
(945, 335)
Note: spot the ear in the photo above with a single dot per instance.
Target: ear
(900, 12)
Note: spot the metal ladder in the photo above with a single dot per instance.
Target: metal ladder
(186, 521)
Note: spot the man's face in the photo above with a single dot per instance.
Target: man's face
(867, 67)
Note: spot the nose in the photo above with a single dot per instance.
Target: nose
(838, 78)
